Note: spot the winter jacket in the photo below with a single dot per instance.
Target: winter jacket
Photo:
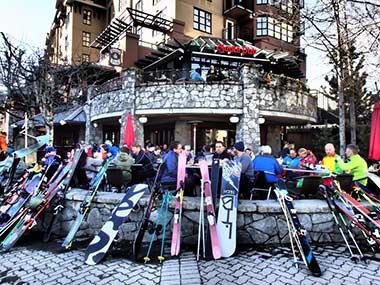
(169, 174)
(124, 162)
(269, 165)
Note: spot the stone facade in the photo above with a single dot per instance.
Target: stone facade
(259, 222)
(247, 98)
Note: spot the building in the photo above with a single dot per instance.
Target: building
(248, 41)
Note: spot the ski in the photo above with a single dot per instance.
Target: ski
(300, 234)
(176, 234)
(40, 202)
(211, 217)
(145, 224)
(99, 246)
(227, 214)
(86, 204)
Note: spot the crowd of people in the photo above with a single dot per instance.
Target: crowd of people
(140, 165)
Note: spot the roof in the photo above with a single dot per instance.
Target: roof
(72, 116)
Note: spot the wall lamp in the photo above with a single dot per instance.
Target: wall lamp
(95, 125)
(143, 119)
(261, 120)
(234, 119)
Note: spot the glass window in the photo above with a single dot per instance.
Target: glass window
(87, 17)
(85, 57)
(262, 26)
(261, 2)
(86, 39)
(202, 20)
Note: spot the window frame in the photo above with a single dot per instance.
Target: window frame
(263, 23)
(197, 24)
(85, 57)
(85, 40)
(88, 19)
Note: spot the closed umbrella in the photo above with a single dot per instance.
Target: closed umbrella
(374, 144)
(129, 132)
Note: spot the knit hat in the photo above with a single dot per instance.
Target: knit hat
(239, 146)
(50, 149)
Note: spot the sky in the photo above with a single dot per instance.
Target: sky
(29, 21)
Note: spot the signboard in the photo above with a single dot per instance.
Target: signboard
(243, 50)
(115, 57)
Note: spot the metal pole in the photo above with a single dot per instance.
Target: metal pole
(26, 130)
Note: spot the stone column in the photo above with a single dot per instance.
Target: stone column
(248, 130)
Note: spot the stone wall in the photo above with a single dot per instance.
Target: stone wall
(163, 95)
(259, 222)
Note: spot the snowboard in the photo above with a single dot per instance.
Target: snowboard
(227, 214)
(211, 217)
(99, 246)
(374, 178)
(176, 234)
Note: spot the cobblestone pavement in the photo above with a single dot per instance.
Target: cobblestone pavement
(37, 265)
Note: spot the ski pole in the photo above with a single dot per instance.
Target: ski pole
(146, 258)
(167, 199)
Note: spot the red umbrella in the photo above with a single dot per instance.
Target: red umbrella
(374, 145)
(129, 132)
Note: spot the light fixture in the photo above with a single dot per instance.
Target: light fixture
(143, 119)
(62, 122)
(234, 119)
(308, 125)
(13, 126)
(261, 120)
(95, 125)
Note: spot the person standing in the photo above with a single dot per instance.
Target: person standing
(245, 163)
(3, 145)
(221, 151)
(170, 172)
(356, 165)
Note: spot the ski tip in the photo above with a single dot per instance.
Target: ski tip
(296, 264)
(90, 262)
(161, 258)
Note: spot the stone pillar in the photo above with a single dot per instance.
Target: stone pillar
(248, 130)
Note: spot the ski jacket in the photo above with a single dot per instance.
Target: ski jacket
(269, 165)
(246, 164)
(124, 162)
(292, 162)
(356, 166)
(330, 161)
(169, 174)
(147, 170)
(222, 156)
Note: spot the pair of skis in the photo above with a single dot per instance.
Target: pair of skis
(297, 233)
(206, 196)
(86, 204)
(39, 203)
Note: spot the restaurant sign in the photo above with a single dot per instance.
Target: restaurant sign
(243, 50)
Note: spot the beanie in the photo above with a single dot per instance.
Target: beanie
(239, 146)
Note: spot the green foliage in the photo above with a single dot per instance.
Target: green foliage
(322, 136)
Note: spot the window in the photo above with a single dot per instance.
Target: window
(262, 26)
(86, 39)
(87, 17)
(202, 20)
(85, 57)
(261, 2)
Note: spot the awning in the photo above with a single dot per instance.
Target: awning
(72, 116)
(167, 58)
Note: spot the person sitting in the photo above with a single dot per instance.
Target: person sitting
(146, 171)
(308, 159)
(196, 75)
(356, 165)
(170, 161)
(245, 164)
(124, 161)
(51, 156)
(221, 151)
(114, 150)
(267, 163)
(330, 161)
(292, 160)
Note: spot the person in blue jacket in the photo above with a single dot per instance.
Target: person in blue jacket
(292, 160)
(114, 150)
(196, 75)
(267, 163)
(169, 174)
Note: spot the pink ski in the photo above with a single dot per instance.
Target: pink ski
(211, 218)
(176, 235)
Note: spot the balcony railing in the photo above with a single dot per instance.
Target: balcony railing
(238, 8)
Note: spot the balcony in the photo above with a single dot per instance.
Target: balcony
(238, 9)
